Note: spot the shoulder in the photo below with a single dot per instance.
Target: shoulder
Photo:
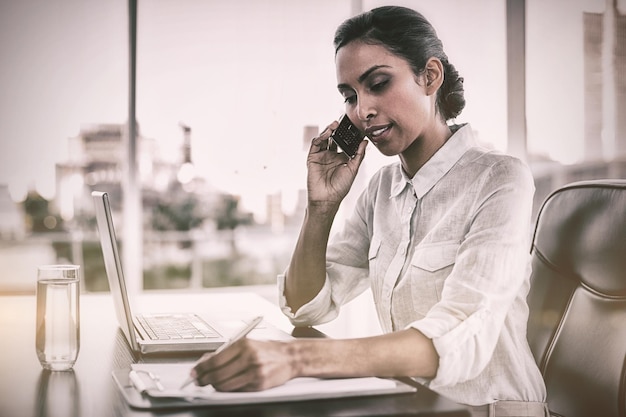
(496, 166)
(476, 161)
(502, 174)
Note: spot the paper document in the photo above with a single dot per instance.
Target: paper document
(164, 380)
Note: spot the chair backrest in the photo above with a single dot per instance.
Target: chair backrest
(577, 300)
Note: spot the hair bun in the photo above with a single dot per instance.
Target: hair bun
(451, 94)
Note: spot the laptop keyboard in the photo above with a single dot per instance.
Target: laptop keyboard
(176, 326)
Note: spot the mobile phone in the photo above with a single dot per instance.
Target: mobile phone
(347, 136)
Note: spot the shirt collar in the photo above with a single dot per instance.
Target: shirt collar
(437, 166)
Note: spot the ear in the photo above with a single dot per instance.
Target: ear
(434, 73)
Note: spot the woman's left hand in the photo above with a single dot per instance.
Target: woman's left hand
(247, 365)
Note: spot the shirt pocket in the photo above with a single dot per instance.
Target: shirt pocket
(430, 266)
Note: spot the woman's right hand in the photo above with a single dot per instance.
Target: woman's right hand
(330, 173)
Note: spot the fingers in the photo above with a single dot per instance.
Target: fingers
(332, 145)
(248, 380)
(247, 365)
(322, 142)
(212, 367)
(228, 379)
(234, 369)
(360, 153)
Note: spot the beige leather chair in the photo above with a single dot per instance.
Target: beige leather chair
(577, 323)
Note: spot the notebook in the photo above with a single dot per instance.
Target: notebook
(149, 333)
(157, 385)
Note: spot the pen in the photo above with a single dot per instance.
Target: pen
(242, 333)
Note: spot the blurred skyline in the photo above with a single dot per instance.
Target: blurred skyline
(248, 75)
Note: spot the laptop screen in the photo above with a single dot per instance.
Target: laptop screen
(113, 266)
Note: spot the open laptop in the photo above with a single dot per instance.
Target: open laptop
(155, 332)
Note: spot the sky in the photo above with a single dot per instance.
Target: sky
(248, 75)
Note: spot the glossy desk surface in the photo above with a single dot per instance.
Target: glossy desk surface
(27, 390)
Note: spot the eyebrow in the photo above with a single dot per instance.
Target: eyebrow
(363, 76)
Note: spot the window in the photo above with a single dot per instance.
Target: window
(228, 96)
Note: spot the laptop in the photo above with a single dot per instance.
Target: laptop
(149, 333)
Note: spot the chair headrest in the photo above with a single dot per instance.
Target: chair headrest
(581, 231)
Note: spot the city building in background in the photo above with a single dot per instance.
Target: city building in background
(191, 229)
(95, 161)
(605, 83)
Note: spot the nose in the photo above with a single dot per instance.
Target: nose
(365, 110)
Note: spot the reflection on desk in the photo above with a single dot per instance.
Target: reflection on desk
(57, 394)
(88, 390)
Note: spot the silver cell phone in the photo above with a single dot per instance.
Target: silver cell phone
(347, 136)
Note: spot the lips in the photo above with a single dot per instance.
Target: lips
(375, 132)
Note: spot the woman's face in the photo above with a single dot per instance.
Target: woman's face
(384, 97)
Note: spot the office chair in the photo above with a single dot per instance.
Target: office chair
(577, 300)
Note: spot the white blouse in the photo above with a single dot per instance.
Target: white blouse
(446, 252)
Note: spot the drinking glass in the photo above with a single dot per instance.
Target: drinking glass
(58, 320)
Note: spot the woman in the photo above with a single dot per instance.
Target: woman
(440, 237)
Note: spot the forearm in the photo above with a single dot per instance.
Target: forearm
(404, 353)
(307, 270)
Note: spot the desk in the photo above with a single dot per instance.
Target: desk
(27, 390)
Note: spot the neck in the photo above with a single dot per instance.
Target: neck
(423, 148)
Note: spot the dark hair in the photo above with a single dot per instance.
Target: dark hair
(407, 34)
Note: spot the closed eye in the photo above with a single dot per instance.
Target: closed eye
(350, 99)
(379, 86)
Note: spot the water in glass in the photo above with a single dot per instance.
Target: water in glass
(58, 326)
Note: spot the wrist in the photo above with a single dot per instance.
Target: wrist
(296, 359)
(324, 209)
(310, 358)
